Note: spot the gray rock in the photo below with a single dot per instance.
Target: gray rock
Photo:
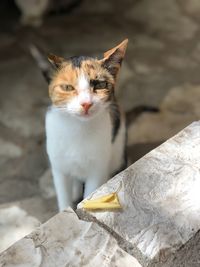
(164, 17)
(125, 74)
(178, 109)
(38, 207)
(32, 12)
(150, 128)
(19, 218)
(46, 185)
(67, 241)
(191, 7)
(181, 63)
(15, 223)
(144, 41)
(183, 100)
(145, 89)
(196, 53)
(24, 112)
(9, 151)
(97, 7)
(19, 176)
(160, 199)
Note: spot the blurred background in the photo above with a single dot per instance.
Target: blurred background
(161, 69)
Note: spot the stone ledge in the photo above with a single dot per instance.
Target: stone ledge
(160, 199)
(158, 225)
(67, 241)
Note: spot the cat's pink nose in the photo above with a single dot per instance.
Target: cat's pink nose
(86, 106)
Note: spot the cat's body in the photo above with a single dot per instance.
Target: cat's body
(85, 128)
(82, 151)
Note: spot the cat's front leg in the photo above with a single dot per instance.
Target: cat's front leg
(94, 181)
(64, 188)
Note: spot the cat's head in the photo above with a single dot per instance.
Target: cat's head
(84, 86)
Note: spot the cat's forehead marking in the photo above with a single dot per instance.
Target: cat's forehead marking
(76, 61)
(83, 82)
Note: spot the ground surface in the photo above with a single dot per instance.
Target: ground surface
(163, 56)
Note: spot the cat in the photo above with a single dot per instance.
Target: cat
(85, 126)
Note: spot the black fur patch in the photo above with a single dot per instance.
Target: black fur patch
(115, 118)
(113, 63)
(77, 60)
(115, 58)
(111, 94)
(125, 161)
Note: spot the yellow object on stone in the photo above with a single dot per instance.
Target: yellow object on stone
(110, 201)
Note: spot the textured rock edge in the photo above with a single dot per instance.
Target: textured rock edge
(172, 257)
(122, 243)
(130, 248)
(40, 248)
(133, 250)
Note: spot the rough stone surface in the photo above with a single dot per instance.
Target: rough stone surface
(40, 208)
(67, 241)
(19, 218)
(167, 19)
(160, 199)
(19, 176)
(8, 151)
(178, 109)
(191, 7)
(28, 120)
(46, 184)
(15, 223)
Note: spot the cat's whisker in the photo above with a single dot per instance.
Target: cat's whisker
(61, 108)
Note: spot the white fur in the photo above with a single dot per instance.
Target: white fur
(83, 87)
(81, 150)
(84, 95)
(83, 83)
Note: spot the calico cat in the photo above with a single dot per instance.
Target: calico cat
(85, 127)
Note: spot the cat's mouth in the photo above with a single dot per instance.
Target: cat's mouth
(86, 114)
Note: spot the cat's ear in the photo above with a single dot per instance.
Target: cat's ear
(113, 58)
(55, 60)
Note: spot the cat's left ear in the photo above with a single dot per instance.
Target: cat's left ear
(55, 60)
(113, 58)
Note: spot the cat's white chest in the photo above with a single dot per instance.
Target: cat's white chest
(77, 148)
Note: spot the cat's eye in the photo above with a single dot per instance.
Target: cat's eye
(67, 87)
(97, 85)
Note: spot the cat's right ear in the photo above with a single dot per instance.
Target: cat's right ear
(113, 58)
(55, 60)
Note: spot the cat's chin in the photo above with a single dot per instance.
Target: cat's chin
(90, 115)
(85, 117)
